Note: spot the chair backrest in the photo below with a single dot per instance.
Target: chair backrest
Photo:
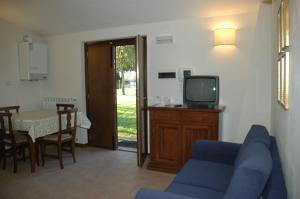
(64, 106)
(6, 129)
(10, 109)
(66, 117)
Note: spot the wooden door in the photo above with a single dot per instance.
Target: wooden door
(100, 92)
(141, 100)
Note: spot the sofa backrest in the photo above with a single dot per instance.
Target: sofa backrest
(251, 172)
(275, 187)
(258, 133)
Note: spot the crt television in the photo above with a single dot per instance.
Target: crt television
(201, 91)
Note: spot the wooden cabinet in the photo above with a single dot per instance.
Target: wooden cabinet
(174, 132)
(167, 139)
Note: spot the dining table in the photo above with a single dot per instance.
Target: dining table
(40, 123)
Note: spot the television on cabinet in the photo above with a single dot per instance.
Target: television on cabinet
(201, 91)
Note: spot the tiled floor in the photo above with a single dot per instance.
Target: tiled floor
(98, 174)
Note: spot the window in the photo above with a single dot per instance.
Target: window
(283, 58)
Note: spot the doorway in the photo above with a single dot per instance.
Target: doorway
(116, 94)
(125, 58)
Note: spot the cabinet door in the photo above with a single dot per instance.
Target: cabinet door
(166, 148)
(192, 133)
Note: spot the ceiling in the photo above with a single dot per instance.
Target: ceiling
(50, 17)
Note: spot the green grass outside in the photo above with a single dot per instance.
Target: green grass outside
(126, 114)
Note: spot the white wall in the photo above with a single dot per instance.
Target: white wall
(13, 91)
(244, 70)
(285, 124)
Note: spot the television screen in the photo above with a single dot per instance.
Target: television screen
(206, 86)
(201, 90)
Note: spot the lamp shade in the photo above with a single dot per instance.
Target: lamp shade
(225, 36)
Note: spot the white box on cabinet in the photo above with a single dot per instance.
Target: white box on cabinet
(32, 61)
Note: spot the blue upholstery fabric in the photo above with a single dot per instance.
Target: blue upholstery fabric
(221, 152)
(275, 188)
(205, 174)
(222, 170)
(258, 133)
(153, 194)
(194, 191)
(251, 172)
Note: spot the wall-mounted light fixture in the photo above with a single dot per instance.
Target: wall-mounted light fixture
(225, 36)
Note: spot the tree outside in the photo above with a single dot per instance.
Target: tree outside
(126, 92)
(125, 62)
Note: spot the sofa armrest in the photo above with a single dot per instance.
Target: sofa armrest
(154, 194)
(215, 151)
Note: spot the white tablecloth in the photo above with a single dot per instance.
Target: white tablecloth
(43, 122)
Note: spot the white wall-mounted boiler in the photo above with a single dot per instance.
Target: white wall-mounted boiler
(32, 61)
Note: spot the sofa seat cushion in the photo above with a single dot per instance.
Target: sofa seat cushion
(194, 191)
(215, 176)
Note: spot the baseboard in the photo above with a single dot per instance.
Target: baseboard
(81, 145)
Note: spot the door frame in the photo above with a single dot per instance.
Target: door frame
(146, 92)
(142, 132)
(113, 43)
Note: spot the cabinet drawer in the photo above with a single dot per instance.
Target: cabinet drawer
(165, 115)
(204, 118)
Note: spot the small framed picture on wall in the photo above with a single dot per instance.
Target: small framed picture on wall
(283, 58)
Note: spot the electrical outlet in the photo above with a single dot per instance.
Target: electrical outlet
(187, 72)
(184, 72)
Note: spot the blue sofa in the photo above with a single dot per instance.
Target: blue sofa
(222, 170)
